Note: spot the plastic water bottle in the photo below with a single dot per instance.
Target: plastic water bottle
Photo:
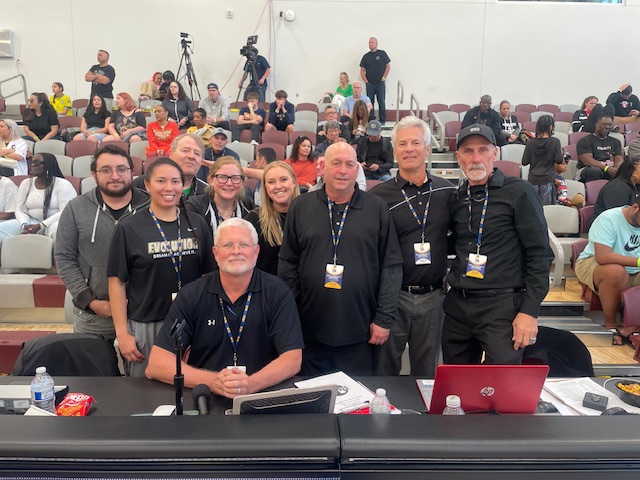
(380, 404)
(42, 391)
(453, 406)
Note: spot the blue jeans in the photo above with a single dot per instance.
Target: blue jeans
(378, 90)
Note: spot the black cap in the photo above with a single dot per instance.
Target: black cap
(476, 129)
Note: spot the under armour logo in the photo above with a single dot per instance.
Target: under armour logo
(211, 323)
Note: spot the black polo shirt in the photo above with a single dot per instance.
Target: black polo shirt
(515, 239)
(368, 244)
(408, 230)
(272, 326)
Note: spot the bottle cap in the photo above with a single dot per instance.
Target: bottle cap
(381, 392)
(41, 370)
(453, 401)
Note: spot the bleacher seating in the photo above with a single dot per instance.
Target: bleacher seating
(526, 107)
(80, 148)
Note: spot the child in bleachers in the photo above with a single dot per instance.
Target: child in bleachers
(542, 152)
(562, 192)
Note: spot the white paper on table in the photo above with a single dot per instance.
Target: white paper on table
(571, 392)
(352, 395)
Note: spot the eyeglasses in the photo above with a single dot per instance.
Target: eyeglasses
(109, 171)
(242, 246)
(222, 179)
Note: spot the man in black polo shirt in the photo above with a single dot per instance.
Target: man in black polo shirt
(419, 204)
(599, 155)
(340, 257)
(501, 271)
(241, 326)
(374, 69)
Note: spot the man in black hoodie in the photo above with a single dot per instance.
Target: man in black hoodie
(484, 115)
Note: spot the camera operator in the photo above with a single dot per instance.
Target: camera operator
(262, 70)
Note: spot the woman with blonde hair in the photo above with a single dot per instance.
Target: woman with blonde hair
(279, 189)
(13, 149)
(225, 196)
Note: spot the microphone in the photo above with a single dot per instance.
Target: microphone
(201, 395)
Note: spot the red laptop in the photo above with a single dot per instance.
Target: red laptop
(501, 388)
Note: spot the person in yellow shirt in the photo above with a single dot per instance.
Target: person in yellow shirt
(60, 102)
(200, 127)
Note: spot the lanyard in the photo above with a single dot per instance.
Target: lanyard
(234, 343)
(219, 217)
(422, 224)
(482, 216)
(177, 265)
(336, 237)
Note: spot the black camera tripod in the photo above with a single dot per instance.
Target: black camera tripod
(189, 75)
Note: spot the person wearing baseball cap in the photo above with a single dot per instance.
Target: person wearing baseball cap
(500, 274)
(216, 106)
(626, 104)
(219, 139)
(375, 153)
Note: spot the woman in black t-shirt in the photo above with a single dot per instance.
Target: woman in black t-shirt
(95, 122)
(40, 119)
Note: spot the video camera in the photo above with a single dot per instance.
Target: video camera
(184, 40)
(249, 50)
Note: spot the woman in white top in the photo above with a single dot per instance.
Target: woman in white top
(40, 200)
(13, 149)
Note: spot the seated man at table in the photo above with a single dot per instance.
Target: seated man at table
(242, 328)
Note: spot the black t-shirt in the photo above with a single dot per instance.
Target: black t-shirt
(95, 121)
(139, 256)
(374, 153)
(105, 91)
(41, 125)
(268, 257)
(602, 149)
(374, 64)
(623, 106)
(272, 326)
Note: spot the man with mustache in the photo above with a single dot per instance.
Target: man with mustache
(84, 236)
(501, 271)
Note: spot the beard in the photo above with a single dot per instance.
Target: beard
(125, 188)
(476, 174)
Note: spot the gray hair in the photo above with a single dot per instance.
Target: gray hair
(409, 122)
(193, 136)
(331, 124)
(239, 223)
(13, 126)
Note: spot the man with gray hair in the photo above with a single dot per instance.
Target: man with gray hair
(331, 115)
(349, 102)
(419, 204)
(241, 324)
(332, 135)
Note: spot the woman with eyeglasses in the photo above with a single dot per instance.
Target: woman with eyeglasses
(40, 200)
(179, 106)
(13, 149)
(153, 254)
(280, 187)
(40, 119)
(225, 197)
(95, 121)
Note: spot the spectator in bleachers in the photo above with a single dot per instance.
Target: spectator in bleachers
(179, 106)
(167, 78)
(599, 155)
(8, 193)
(149, 90)
(374, 69)
(375, 153)
(264, 157)
(101, 77)
(581, 116)
(282, 114)
(358, 122)
(510, 128)
(95, 121)
(280, 188)
(153, 254)
(349, 102)
(303, 162)
(161, 133)
(484, 115)
(609, 263)
(218, 148)
(128, 122)
(626, 105)
(562, 191)
(40, 119)
(200, 127)
(13, 149)
(622, 189)
(40, 200)
(331, 115)
(60, 102)
(343, 90)
(216, 107)
(224, 197)
(542, 152)
(84, 237)
(251, 117)
(332, 135)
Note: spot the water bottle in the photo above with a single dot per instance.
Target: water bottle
(453, 406)
(42, 391)
(380, 404)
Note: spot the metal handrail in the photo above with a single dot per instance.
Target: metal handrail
(17, 92)
(413, 100)
(399, 99)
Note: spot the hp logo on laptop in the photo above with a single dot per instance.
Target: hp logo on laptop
(487, 391)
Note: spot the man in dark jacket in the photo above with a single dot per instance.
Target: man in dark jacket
(375, 153)
(484, 115)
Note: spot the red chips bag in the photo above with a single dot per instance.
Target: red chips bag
(75, 405)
